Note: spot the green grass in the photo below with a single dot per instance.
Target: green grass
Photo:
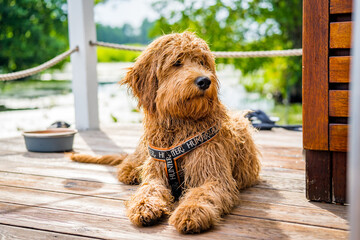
(115, 55)
(288, 115)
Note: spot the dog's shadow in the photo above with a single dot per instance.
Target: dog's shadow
(100, 144)
(254, 216)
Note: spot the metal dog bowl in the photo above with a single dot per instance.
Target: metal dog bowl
(50, 140)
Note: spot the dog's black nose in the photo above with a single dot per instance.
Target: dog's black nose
(203, 82)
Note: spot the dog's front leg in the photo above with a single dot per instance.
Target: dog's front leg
(129, 170)
(152, 199)
(202, 206)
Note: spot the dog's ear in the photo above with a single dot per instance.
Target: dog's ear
(142, 80)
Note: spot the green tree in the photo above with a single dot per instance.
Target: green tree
(31, 32)
(125, 34)
(243, 25)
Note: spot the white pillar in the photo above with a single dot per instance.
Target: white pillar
(354, 130)
(84, 83)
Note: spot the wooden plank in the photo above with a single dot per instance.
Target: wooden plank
(300, 215)
(80, 224)
(19, 233)
(315, 74)
(340, 35)
(318, 175)
(340, 6)
(284, 157)
(111, 208)
(117, 191)
(98, 173)
(114, 208)
(81, 187)
(339, 69)
(279, 183)
(89, 176)
(232, 227)
(339, 103)
(339, 176)
(122, 192)
(285, 198)
(64, 201)
(338, 137)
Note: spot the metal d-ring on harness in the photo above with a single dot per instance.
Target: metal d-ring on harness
(170, 155)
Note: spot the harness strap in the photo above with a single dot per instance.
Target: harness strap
(170, 155)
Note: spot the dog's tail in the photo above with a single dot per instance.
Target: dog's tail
(111, 160)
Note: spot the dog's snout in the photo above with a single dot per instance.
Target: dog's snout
(203, 82)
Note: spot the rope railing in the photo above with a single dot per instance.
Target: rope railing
(34, 70)
(247, 54)
(118, 46)
(59, 58)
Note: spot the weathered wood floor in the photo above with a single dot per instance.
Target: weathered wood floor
(44, 196)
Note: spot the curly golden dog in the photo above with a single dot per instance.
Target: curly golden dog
(175, 83)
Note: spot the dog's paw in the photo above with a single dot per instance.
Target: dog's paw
(128, 173)
(147, 211)
(193, 218)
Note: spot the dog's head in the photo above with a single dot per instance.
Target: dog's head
(175, 76)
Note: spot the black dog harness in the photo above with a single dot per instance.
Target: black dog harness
(170, 155)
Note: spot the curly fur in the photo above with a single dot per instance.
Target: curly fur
(162, 79)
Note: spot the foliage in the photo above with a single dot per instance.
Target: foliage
(32, 32)
(242, 25)
(288, 114)
(115, 55)
(124, 34)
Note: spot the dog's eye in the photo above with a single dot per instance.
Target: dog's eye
(202, 63)
(177, 64)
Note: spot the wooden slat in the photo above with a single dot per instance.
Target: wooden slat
(318, 175)
(340, 6)
(19, 233)
(340, 35)
(315, 74)
(338, 103)
(114, 208)
(338, 137)
(232, 227)
(290, 214)
(339, 160)
(61, 172)
(339, 69)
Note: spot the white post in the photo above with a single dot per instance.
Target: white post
(84, 82)
(354, 130)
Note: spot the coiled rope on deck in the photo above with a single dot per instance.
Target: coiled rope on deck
(247, 54)
(34, 70)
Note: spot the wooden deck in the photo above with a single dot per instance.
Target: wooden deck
(44, 196)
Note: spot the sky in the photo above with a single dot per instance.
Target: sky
(117, 12)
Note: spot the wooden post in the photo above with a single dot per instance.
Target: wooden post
(354, 130)
(84, 82)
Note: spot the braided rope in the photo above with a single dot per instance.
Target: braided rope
(273, 53)
(57, 59)
(34, 70)
(254, 54)
(118, 46)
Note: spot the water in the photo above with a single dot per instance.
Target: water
(44, 102)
